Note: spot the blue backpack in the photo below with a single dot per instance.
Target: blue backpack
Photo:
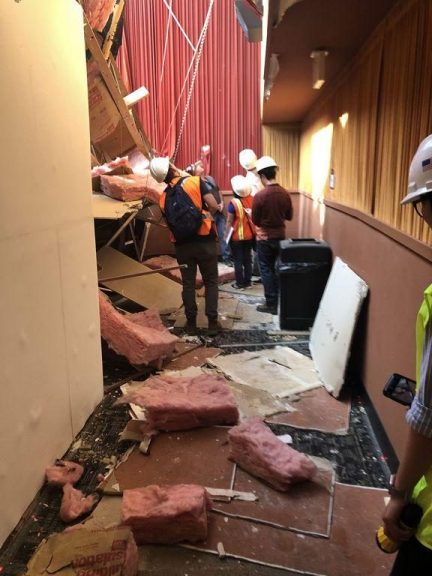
(183, 217)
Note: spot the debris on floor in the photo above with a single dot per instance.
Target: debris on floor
(82, 551)
(319, 526)
(281, 371)
(140, 337)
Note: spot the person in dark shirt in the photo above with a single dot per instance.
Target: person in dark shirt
(271, 207)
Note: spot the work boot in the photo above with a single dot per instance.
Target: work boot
(191, 327)
(214, 327)
(267, 309)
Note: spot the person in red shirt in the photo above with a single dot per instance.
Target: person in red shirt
(241, 231)
(271, 207)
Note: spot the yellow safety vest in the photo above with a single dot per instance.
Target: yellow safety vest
(243, 227)
(422, 493)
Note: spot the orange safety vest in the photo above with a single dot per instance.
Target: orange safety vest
(243, 226)
(191, 185)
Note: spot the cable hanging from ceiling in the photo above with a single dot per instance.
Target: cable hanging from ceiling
(195, 61)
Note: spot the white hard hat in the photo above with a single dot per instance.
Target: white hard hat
(265, 162)
(420, 172)
(241, 186)
(159, 168)
(247, 159)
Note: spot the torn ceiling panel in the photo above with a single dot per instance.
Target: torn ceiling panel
(151, 291)
(281, 371)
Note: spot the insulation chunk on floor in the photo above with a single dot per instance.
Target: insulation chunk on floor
(225, 273)
(166, 514)
(63, 472)
(180, 403)
(74, 504)
(129, 187)
(255, 448)
(141, 337)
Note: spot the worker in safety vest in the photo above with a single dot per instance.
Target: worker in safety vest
(240, 231)
(413, 481)
(248, 160)
(198, 250)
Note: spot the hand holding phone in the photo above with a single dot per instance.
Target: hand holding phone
(400, 389)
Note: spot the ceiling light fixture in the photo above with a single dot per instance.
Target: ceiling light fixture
(318, 68)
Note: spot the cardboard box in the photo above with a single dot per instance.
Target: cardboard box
(82, 552)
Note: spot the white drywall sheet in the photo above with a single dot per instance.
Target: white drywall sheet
(281, 372)
(334, 324)
(151, 291)
(50, 359)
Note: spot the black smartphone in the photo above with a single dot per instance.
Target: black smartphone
(400, 389)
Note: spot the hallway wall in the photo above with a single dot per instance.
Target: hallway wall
(50, 363)
(363, 131)
(396, 269)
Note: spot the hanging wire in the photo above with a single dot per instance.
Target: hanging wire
(193, 59)
(170, 14)
(197, 61)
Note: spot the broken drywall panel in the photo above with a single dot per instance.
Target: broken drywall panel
(152, 291)
(334, 324)
(255, 402)
(317, 410)
(281, 371)
(107, 208)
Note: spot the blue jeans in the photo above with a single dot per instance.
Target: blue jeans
(268, 251)
(242, 256)
(220, 221)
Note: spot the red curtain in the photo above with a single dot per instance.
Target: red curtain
(224, 102)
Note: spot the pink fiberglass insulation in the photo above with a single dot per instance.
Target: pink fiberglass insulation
(257, 450)
(129, 187)
(74, 504)
(107, 168)
(63, 472)
(98, 12)
(148, 319)
(166, 514)
(132, 338)
(180, 403)
(225, 273)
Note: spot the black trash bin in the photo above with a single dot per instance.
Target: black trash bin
(303, 266)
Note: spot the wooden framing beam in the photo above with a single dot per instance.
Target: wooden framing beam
(114, 87)
(117, 12)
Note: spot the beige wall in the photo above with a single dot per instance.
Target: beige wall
(50, 365)
(396, 269)
(366, 126)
